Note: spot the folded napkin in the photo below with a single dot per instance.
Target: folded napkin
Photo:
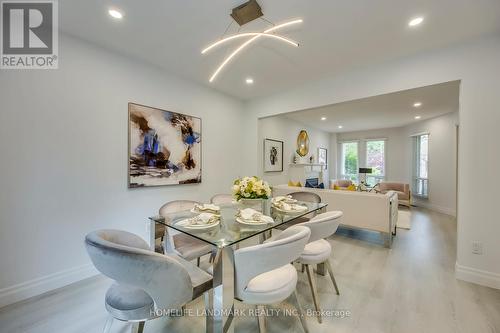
(251, 215)
(203, 219)
(207, 208)
(287, 199)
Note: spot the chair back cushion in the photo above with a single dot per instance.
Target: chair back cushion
(176, 206)
(323, 225)
(220, 199)
(255, 260)
(125, 258)
(392, 186)
(306, 196)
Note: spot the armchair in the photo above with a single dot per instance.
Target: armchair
(402, 190)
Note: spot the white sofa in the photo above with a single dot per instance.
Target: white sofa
(363, 210)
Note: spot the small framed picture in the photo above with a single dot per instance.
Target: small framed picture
(323, 157)
(273, 155)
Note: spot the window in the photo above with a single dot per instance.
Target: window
(421, 165)
(350, 161)
(375, 159)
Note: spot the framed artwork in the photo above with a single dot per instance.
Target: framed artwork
(273, 155)
(164, 147)
(323, 157)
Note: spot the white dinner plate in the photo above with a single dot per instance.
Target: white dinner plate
(239, 220)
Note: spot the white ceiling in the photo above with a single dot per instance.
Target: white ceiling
(384, 111)
(335, 36)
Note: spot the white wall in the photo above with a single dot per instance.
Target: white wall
(442, 161)
(442, 157)
(477, 65)
(63, 144)
(286, 130)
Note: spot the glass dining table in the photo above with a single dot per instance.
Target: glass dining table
(225, 237)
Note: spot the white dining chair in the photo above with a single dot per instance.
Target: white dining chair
(181, 244)
(220, 199)
(318, 249)
(146, 282)
(264, 275)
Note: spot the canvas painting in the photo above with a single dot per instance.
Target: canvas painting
(323, 157)
(164, 147)
(273, 155)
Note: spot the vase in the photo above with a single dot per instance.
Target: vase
(260, 205)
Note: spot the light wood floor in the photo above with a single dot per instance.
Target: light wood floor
(410, 288)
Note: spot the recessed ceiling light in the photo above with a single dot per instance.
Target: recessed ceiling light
(417, 117)
(323, 118)
(340, 126)
(416, 21)
(417, 105)
(115, 13)
(249, 80)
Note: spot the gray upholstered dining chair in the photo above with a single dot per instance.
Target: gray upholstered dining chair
(264, 275)
(318, 249)
(181, 244)
(146, 282)
(220, 199)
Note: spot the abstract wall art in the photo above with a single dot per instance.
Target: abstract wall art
(164, 147)
(273, 155)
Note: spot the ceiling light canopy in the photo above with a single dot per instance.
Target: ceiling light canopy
(416, 21)
(115, 13)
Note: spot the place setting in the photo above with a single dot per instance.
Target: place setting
(250, 216)
(288, 205)
(207, 217)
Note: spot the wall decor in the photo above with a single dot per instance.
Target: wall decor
(273, 155)
(302, 143)
(164, 147)
(323, 157)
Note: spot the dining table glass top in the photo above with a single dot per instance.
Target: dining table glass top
(229, 230)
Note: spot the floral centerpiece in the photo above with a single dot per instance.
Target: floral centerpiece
(251, 188)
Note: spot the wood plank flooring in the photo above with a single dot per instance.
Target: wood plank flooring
(409, 288)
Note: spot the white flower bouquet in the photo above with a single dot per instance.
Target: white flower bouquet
(251, 188)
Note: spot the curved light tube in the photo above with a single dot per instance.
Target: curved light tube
(242, 46)
(245, 34)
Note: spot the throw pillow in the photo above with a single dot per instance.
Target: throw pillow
(294, 184)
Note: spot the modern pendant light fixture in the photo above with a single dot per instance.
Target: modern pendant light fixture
(243, 14)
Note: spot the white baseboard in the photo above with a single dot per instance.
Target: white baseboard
(45, 284)
(436, 208)
(477, 276)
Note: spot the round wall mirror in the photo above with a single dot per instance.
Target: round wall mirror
(302, 143)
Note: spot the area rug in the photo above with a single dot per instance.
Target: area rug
(404, 219)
